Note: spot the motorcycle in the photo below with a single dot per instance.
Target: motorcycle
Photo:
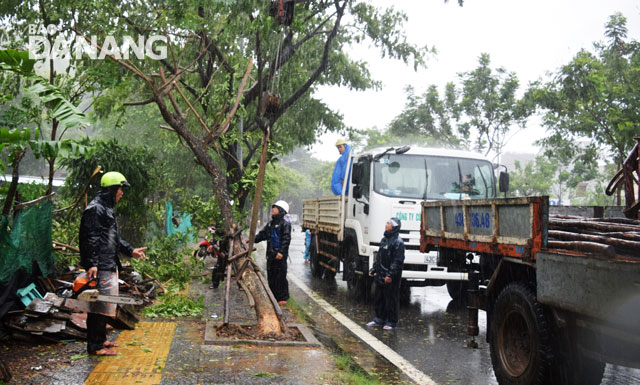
(204, 247)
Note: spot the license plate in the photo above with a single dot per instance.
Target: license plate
(430, 259)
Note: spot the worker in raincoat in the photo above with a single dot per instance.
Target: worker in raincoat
(277, 233)
(337, 179)
(387, 275)
(100, 244)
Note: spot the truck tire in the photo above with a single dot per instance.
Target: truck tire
(519, 338)
(358, 284)
(458, 291)
(316, 269)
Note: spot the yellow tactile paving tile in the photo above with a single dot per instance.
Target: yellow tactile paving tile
(141, 357)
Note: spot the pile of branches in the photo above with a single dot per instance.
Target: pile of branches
(52, 317)
(605, 236)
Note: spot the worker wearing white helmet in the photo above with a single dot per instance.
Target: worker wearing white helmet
(277, 233)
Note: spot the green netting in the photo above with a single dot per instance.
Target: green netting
(26, 238)
(184, 221)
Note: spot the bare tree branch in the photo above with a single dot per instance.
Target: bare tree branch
(223, 128)
(139, 103)
(321, 67)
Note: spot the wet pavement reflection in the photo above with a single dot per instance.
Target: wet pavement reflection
(432, 331)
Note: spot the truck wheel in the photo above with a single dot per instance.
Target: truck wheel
(316, 269)
(357, 284)
(458, 291)
(520, 343)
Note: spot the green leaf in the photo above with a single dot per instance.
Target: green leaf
(16, 61)
(79, 356)
(15, 136)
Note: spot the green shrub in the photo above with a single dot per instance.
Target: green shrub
(174, 304)
(167, 258)
(137, 164)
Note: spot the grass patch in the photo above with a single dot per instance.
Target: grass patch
(350, 374)
(295, 308)
(264, 374)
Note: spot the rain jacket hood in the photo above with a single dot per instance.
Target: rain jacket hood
(390, 258)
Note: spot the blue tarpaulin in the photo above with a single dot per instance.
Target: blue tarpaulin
(184, 222)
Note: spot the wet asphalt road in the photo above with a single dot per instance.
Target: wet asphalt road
(432, 329)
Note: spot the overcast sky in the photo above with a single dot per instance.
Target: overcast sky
(529, 38)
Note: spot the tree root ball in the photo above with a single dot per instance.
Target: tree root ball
(250, 332)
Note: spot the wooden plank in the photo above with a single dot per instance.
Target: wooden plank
(590, 247)
(227, 292)
(328, 267)
(467, 222)
(442, 222)
(579, 224)
(258, 191)
(504, 249)
(571, 236)
(240, 254)
(274, 302)
(325, 242)
(330, 256)
(252, 301)
(242, 269)
(479, 238)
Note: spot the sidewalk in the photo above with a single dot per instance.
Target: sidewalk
(175, 351)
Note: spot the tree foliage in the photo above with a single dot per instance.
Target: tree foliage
(532, 178)
(591, 105)
(490, 105)
(135, 163)
(29, 101)
(208, 51)
(483, 104)
(430, 117)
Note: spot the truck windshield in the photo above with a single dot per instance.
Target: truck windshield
(433, 177)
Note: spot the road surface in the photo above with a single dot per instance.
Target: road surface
(432, 331)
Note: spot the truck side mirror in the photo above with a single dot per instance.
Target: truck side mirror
(357, 172)
(357, 190)
(503, 182)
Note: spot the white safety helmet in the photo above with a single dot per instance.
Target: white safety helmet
(283, 205)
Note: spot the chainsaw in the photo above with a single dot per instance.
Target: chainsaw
(85, 289)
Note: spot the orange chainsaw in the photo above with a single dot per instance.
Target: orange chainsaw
(85, 289)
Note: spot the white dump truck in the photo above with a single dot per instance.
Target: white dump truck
(390, 182)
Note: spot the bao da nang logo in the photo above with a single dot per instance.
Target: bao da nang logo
(61, 48)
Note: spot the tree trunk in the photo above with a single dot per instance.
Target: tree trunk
(13, 187)
(268, 322)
